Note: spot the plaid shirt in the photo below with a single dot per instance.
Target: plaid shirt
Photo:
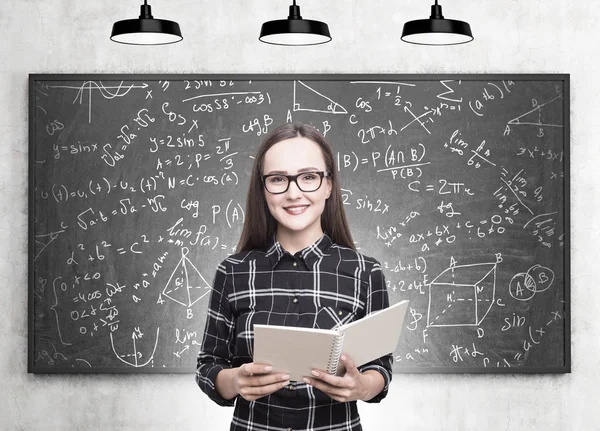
(322, 286)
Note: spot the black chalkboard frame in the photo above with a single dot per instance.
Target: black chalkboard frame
(565, 78)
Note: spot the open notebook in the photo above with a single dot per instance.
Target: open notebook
(296, 351)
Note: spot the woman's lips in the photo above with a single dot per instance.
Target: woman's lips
(296, 210)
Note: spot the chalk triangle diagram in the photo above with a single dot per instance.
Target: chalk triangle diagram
(462, 295)
(309, 99)
(43, 241)
(186, 286)
(547, 114)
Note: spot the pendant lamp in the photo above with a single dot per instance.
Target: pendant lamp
(294, 30)
(146, 30)
(436, 30)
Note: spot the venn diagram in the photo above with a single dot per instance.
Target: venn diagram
(524, 285)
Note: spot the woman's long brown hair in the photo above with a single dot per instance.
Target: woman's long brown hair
(260, 225)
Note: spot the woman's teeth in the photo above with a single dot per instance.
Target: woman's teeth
(296, 210)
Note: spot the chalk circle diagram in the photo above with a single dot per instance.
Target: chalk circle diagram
(524, 285)
(308, 99)
(186, 285)
(462, 295)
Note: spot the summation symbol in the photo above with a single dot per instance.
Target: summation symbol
(462, 295)
(186, 286)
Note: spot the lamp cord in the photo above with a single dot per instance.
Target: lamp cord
(436, 11)
(294, 11)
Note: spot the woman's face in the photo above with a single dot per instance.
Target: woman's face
(297, 213)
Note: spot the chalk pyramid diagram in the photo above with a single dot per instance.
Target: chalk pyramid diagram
(547, 114)
(307, 98)
(462, 295)
(186, 286)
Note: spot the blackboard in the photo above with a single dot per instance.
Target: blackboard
(457, 184)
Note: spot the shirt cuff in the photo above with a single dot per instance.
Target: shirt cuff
(387, 378)
(207, 382)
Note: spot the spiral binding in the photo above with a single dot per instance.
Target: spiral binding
(334, 355)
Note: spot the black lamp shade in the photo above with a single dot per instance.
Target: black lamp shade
(437, 32)
(146, 30)
(294, 32)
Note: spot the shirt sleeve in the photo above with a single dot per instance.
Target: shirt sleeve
(377, 299)
(216, 353)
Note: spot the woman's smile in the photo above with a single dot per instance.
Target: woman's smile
(295, 209)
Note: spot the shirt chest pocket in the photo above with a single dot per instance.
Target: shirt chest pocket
(333, 317)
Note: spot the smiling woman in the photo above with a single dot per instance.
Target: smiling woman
(293, 149)
(296, 266)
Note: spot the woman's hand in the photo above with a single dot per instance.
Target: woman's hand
(352, 386)
(253, 381)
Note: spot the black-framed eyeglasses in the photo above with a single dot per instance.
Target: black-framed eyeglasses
(306, 181)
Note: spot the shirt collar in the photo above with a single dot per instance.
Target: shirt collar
(310, 254)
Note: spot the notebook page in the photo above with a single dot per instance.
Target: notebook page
(374, 335)
(294, 351)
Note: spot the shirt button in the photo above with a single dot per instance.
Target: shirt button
(340, 313)
(289, 429)
(295, 264)
(290, 387)
(295, 299)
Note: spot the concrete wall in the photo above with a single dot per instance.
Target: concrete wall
(68, 36)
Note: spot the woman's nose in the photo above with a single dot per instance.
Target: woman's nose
(293, 190)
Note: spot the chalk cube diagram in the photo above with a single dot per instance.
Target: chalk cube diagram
(462, 295)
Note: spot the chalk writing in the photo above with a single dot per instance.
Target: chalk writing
(456, 185)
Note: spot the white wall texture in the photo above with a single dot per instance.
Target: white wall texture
(68, 36)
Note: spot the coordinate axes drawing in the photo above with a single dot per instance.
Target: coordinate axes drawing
(108, 92)
(135, 354)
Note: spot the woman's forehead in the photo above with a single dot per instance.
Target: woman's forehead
(294, 154)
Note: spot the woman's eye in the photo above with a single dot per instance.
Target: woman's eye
(308, 177)
(276, 179)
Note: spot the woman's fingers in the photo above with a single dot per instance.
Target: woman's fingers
(257, 380)
(335, 392)
(252, 388)
(251, 369)
(264, 379)
(349, 387)
(262, 390)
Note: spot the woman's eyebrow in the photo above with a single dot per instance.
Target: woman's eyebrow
(309, 169)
